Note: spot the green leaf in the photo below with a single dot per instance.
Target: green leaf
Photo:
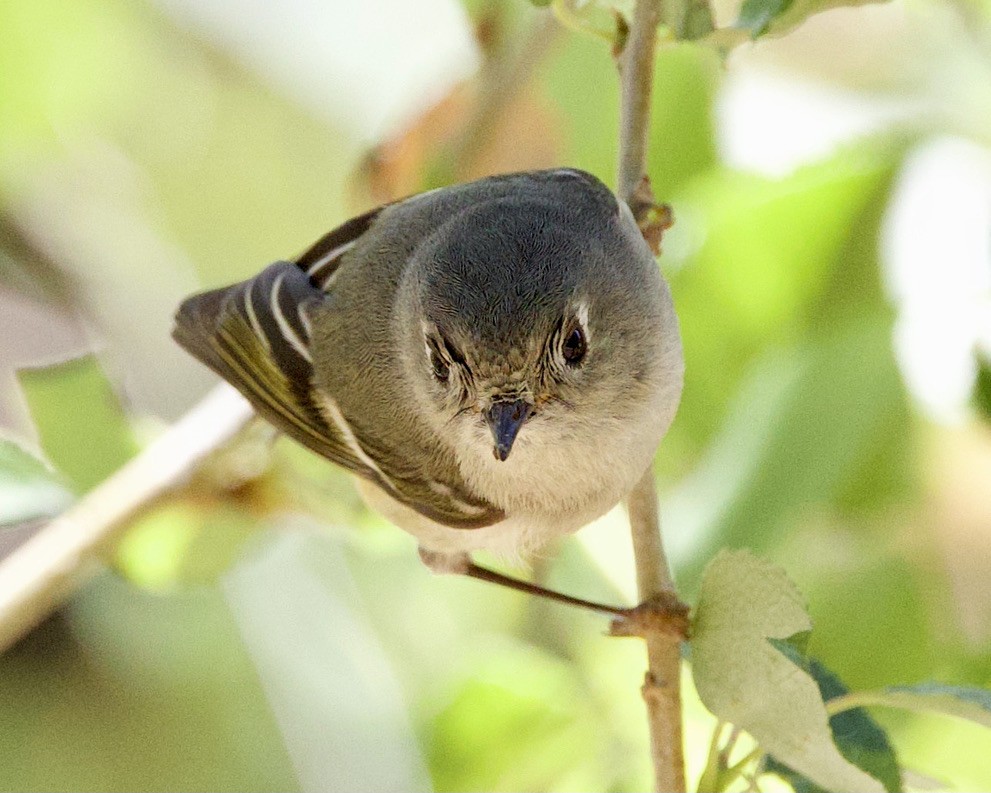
(804, 424)
(83, 429)
(28, 488)
(758, 260)
(859, 738)
(982, 388)
(757, 15)
(744, 680)
(536, 712)
(698, 21)
(777, 17)
(963, 702)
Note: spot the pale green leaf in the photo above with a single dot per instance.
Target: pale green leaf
(963, 702)
(83, 429)
(743, 679)
(28, 488)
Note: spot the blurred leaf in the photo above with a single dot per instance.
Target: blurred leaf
(536, 713)
(982, 388)
(963, 702)
(868, 603)
(82, 427)
(761, 263)
(185, 543)
(682, 141)
(777, 17)
(28, 488)
(682, 124)
(25, 269)
(757, 15)
(859, 738)
(698, 21)
(40, 99)
(125, 691)
(744, 680)
(152, 550)
(579, 68)
(804, 423)
(332, 689)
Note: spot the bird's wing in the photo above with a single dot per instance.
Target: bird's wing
(321, 260)
(256, 335)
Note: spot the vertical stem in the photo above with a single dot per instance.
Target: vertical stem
(636, 83)
(661, 688)
(653, 573)
(662, 682)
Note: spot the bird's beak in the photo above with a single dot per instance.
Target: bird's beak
(505, 420)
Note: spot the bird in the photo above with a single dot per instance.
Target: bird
(496, 362)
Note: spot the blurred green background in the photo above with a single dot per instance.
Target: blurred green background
(259, 629)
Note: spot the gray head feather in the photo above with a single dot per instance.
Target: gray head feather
(493, 290)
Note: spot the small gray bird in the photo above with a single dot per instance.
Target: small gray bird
(496, 361)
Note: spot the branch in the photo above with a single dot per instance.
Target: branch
(40, 574)
(636, 64)
(662, 684)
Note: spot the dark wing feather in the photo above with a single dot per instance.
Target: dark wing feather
(322, 259)
(237, 333)
(256, 336)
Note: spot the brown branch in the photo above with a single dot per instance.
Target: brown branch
(663, 635)
(661, 689)
(636, 65)
(39, 575)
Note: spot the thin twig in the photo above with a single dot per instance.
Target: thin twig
(38, 576)
(662, 686)
(636, 85)
(662, 683)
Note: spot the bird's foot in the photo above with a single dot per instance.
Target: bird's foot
(664, 613)
(443, 563)
(461, 564)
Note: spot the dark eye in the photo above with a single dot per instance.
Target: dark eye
(573, 348)
(440, 367)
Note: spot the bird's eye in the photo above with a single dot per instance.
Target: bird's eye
(440, 367)
(573, 348)
(443, 357)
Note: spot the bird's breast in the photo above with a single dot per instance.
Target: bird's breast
(556, 470)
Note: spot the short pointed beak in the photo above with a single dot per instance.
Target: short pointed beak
(505, 420)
